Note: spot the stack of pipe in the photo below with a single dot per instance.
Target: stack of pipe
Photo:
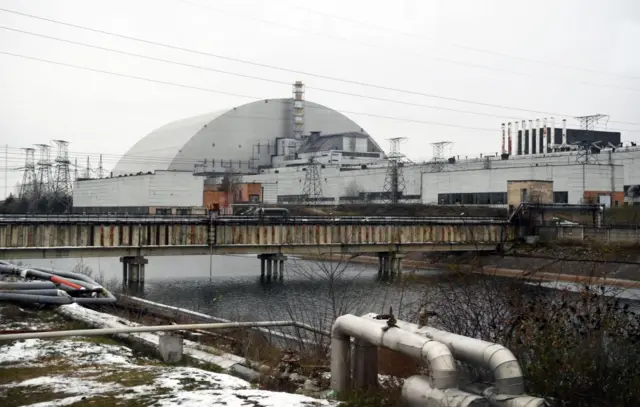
(53, 287)
(354, 367)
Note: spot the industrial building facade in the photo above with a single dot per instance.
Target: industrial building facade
(282, 151)
(157, 193)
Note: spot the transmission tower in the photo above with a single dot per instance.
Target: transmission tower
(100, 168)
(62, 182)
(87, 170)
(312, 188)
(587, 125)
(438, 155)
(28, 189)
(44, 184)
(394, 179)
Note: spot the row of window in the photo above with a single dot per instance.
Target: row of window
(489, 198)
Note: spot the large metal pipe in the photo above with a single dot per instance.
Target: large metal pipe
(51, 292)
(27, 286)
(41, 299)
(444, 373)
(149, 328)
(496, 358)
(503, 400)
(418, 392)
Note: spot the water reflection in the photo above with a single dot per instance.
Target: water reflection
(312, 292)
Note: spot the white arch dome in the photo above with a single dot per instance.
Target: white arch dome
(227, 134)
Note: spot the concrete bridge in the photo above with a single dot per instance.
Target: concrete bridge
(135, 238)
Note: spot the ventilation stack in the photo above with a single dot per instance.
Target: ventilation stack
(509, 142)
(298, 110)
(523, 139)
(545, 136)
(553, 134)
(538, 141)
(515, 131)
(532, 133)
(564, 133)
(504, 150)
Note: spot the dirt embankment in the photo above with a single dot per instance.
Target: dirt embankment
(618, 266)
(589, 261)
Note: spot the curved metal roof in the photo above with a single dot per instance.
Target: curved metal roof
(228, 134)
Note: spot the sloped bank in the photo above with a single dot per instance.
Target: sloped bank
(97, 370)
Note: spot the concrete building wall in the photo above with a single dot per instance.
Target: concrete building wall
(536, 191)
(161, 189)
(573, 179)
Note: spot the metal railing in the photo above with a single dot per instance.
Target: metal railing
(158, 328)
(124, 218)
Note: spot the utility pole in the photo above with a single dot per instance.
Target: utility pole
(312, 188)
(394, 179)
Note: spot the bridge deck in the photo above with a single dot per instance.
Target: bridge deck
(76, 236)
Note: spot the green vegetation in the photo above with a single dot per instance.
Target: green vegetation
(45, 204)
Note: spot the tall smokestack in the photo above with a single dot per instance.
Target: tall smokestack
(553, 134)
(509, 142)
(545, 137)
(538, 138)
(503, 137)
(532, 133)
(564, 133)
(518, 137)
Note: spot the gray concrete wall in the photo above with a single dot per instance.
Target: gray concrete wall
(612, 234)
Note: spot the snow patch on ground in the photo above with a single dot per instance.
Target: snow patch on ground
(73, 370)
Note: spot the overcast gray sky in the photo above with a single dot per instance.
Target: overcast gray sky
(570, 57)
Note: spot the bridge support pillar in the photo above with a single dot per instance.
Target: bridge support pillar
(389, 264)
(133, 269)
(397, 263)
(273, 264)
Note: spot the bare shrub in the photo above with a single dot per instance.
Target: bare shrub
(577, 347)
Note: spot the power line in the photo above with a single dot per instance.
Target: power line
(393, 49)
(462, 46)
(353, 82)
(250, 76)
(235, 94)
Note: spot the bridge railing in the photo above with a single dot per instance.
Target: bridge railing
(128, 218)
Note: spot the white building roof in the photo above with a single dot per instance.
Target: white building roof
(226, 135)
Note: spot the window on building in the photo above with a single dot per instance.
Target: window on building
(183, 211)
(524, 195)
(474, 198)
(560, 197)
